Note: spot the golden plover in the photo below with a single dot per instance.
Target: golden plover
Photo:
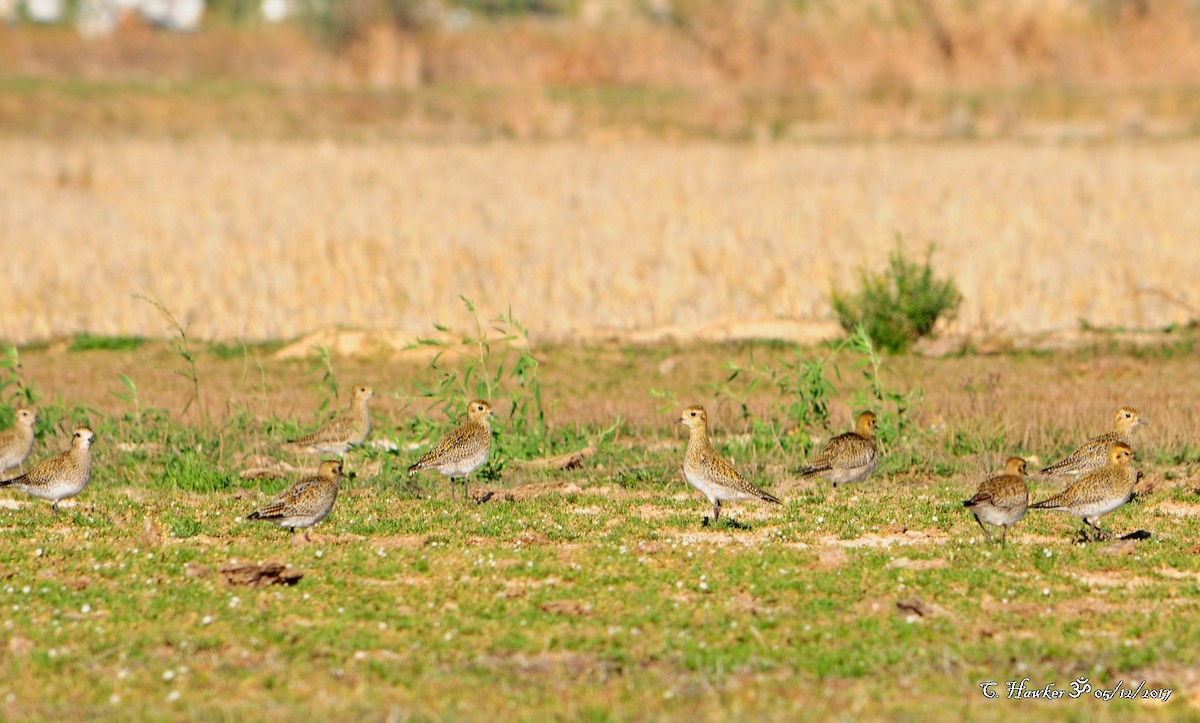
(62, 476)
(849, 457)
(305, 503)
(705, 470)
(1093, 454)
(1097, 493)
(463, 450)
(1001, 500)
(16, 442)
(340, 433)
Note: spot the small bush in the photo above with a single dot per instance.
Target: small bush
(899, 305)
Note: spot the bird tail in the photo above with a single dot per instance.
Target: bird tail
(768, 497)
(815, 469)
(1049, 503)
(254, 516)
(414, 469)
(976, 500)
(8, 482)
(1056, 468)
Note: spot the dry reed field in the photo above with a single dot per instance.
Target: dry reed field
(268, 240)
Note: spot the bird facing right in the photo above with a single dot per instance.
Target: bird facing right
(62, 476)
(16, 442)
(1093, 454)
(463, 450)
(1097, 493)
(1001, 500)
(305, 503)
(343, 432)
(709, 472)
(849, 457)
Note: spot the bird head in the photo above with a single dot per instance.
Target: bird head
(866, 425)
(694, 417)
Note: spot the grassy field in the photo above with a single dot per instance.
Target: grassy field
(581, 238)
(594, 592)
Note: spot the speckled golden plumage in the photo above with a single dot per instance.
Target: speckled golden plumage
(306, 502)
(16, 442)
(849, 457)
(1093, 454)
(1097, 493)
(62, 476)
(708, 472)
(349, 429)
(1001, 500)
(462, 451)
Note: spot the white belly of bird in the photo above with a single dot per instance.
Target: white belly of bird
(715, 491)
(849, 474)
(1099, 509)
(304, 520)
(463, 467)
(55, 492)
(997, 516)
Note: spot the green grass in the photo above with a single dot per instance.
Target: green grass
(438, 608)
(595, 593)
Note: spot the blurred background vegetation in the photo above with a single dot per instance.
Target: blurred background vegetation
(752, 69)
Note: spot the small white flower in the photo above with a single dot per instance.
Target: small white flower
(173, 696)
(168, 675)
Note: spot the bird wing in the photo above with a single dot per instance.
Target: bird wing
(335, 430)
(1093, 451)
(730, 477)
(289, 499)
(451, 448)
(844, 450)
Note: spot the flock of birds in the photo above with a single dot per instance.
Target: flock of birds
(1104, 479)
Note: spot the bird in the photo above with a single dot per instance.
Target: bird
(705, 470)
(16, 442)
(340, 433)
(849, 457)
(464, 449)
(1097, 493)
(1093, 454)
(62, 476)
(1001, 500)
(306, 502)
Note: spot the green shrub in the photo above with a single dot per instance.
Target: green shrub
(899, 305)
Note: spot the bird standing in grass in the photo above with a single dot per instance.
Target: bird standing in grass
(463, 450)
(305, 503)
(340, 433)
(1001, 500)
(1093, 454)
(62, 476)
(849, 457)
(705, 470)
(1097, 493)
(16, 442)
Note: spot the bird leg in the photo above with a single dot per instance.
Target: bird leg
(716, 511)
(54, 508)
(1100, 534)
(1003, 534)
(985, 530)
